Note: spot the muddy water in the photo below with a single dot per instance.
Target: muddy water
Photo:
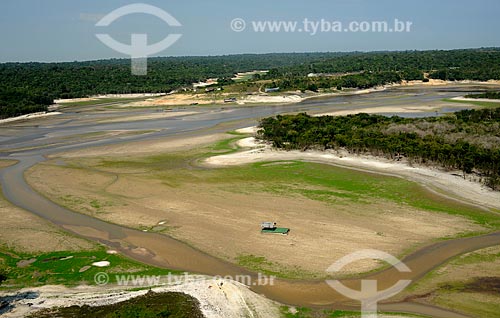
(166, 252)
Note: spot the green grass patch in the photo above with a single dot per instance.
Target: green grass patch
(475, 103)
(226, 146)
(340, 185)
(23, 270)
(300, 312)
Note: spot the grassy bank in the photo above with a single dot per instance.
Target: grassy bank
(320, 182)
(66, 268)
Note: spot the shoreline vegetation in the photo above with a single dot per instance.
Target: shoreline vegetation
(32, 87)
(468, 140)
(489, 95)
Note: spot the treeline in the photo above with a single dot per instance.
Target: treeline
(18, 102)
(82, 79)
(362, 81)
(30, 87)
(488, 95)
(473, 64)
(379, 68)
(468, 140)
(288, 71)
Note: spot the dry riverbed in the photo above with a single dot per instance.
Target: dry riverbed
(208, 208)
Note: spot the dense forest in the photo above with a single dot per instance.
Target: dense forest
(475, 64)
(378, 68)
(29, 87)
(36, 84)
(468, 140)
(17, 102)
(361, 80)
(80, 79)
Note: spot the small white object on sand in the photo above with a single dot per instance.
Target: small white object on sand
(101, 264)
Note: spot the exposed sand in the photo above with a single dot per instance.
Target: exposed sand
(272, 99)
(231, 300)
(385, 109)
(247, 130)
(437, 82)
(185, 99)
(203, 213)
(98, 97)
(29, 116)
(157, 115)
(243, 75)
(487, 100)
(144, 147)
(449, 182)
(179, 99)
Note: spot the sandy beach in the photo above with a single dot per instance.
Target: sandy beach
(29, 116)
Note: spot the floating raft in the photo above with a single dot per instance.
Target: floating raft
(276, 230)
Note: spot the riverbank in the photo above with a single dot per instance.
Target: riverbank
(29, 116)
(452, 182)
(486, 100)
(289, 97)
(186, 99)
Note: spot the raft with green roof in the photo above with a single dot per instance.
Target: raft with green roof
(271, 228)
